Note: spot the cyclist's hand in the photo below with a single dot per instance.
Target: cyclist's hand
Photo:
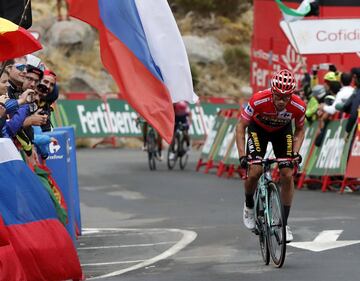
(297, 157)
(244, 162)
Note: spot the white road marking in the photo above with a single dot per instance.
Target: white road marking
(188, 237)
(126, 246)
(114, 234)
(326, 240)
(110, 263)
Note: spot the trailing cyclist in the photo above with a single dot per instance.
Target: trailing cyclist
(144, 129)
(268, 117)
(183, 117)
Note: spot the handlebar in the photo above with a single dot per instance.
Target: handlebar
(271, 160)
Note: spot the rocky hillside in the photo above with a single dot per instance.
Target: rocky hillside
(216, 34)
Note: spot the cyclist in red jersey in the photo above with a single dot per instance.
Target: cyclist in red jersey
(268, 117)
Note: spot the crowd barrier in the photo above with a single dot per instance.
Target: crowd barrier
(334, 162)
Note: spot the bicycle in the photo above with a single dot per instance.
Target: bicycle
(151, 143)
(269, 214)
(151, 148)
(178, 149)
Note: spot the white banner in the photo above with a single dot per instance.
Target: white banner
(324, 36)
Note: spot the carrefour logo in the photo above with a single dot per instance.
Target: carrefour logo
(54, 147)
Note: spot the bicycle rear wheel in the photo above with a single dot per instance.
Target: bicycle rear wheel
(262, 232)
(276, 231)
(151, 151)
(184, 154)
(172, 154)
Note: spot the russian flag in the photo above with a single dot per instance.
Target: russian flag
(142, 48)
(31, 236)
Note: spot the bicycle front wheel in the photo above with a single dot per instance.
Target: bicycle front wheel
(276, 226)
(151, 152)
(262, 231)
(172, 153)
(184, 154)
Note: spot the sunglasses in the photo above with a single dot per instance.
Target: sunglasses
(20, 66)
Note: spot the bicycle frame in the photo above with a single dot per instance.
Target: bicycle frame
(261, 193)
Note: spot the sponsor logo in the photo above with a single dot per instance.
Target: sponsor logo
(255, 138)
(285, 115)
(299, 106)
(249, 110)
(331, 150)
(256, 103)
(53, 148)
(289, 145)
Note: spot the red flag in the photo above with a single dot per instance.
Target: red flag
(15, 41)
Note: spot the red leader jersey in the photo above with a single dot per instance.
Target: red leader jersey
(262, 111)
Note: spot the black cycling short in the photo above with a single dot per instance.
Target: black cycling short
(282, 141)
(183, 119)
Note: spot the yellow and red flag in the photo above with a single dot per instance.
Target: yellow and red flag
(15, 41)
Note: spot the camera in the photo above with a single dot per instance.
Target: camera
(42, 88)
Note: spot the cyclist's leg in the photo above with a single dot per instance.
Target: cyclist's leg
(144, 132)
(283, 148)
(255, 149)
(159, 144)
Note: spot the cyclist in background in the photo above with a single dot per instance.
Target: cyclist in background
(183, 117)
(144, 129)
(268, 117)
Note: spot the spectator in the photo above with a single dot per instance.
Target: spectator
(17, 71)
(341, 97)
(318, 93)
(331, 82)
(351, 106)
(4, 83)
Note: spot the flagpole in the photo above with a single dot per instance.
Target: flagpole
(6, 63)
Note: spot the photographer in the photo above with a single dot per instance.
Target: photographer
(48, 92)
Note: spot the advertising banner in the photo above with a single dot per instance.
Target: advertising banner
(59, 164)
(352, 170)
(331, 157)
(228, 137)
(324, 36)
(310, 132)
(94, 118)
(271, 49)
(212, 136)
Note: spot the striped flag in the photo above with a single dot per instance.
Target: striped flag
(142, 48)
(15, 41)
(306, 8)
(42, 248)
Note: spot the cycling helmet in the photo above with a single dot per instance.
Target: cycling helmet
(181, 108)
(330, 76)
(283, 82)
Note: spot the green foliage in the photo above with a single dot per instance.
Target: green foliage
(221, 7)
(237, 60)
(195, 75)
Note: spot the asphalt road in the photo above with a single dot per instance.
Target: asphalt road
(182, 225)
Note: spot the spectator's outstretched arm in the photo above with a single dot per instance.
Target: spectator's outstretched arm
(346, 107)
(15, 123)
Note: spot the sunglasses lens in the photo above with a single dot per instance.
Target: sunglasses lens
(20, 67)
